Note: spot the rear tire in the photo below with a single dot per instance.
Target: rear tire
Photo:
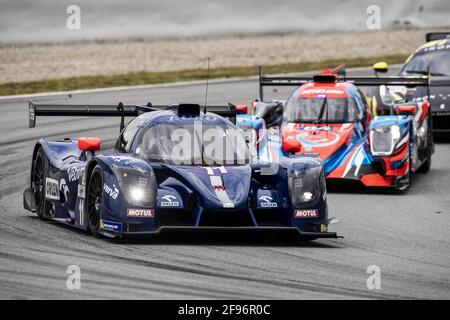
(94, 197)
(38, 183)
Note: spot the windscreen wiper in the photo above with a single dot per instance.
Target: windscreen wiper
(322, 110)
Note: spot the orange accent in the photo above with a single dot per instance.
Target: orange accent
(376, 180)
(89, 144)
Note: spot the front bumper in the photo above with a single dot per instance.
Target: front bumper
(232, 230)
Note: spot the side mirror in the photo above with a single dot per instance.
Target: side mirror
(89, 144)
(407, 110)
(241, 109)
(380, 67)
(291, 146)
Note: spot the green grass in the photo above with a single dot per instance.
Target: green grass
(139, 78)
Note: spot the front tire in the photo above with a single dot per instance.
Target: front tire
(94, 200)
(404, 182)
(38, 184)
(425, 167)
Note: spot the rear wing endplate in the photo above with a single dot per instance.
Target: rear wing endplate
(431, 36)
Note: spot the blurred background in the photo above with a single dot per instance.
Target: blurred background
(44, 20)
(47, 40)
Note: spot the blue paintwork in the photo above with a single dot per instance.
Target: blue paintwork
(188, 186)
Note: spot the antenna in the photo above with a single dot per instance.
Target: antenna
(207, 83)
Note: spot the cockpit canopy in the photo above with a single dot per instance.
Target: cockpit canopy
(321, 109)
(194, 143)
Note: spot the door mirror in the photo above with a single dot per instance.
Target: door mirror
(407, 110)
(241, 109)
(380, 67)
(89, 144)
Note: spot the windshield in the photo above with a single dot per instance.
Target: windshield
(438, 61)
(194, 144)
(321, 110)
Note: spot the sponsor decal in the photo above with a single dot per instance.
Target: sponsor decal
(112, 192)
(81, 191)
(64, 189)
(75, 173)
(267, 202)
(169, 201)
(318, 138)
(312, 213)
(51, 189)
(141, 213)
(32, 115)
(322, 91)
(110, 225)
(81, 211)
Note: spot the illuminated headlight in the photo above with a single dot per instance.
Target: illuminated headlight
(384, 139)
(304, 186)
(138, 186)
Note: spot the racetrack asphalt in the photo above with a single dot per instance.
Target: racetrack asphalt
(406, 235)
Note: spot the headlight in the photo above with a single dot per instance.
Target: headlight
(304, 186)
(384, 139)
(138, 186)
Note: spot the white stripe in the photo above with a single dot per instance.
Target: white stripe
(209, 170)
(350, 163)
(221, 194)
(222, 169)
(358, 161)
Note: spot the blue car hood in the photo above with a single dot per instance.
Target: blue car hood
(225, 187)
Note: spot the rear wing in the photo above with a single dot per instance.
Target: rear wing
(120, 110)
(265, 81)
(358, 81)
(431, 36)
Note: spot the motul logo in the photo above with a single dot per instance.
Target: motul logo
(306, 213)
(141, 213)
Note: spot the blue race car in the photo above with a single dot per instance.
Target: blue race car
(176, 167)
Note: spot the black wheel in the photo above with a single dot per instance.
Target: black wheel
(425, 167)
(94, 200)
(38, 184)
(404, 182)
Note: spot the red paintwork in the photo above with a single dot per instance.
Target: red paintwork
(242, 108)
(326, 141)
(412, 110)
(291, 146)
(331, 89)
(425, 111)
(89, 144)
(376, 180)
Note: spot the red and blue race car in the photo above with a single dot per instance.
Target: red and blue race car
(330, 117)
